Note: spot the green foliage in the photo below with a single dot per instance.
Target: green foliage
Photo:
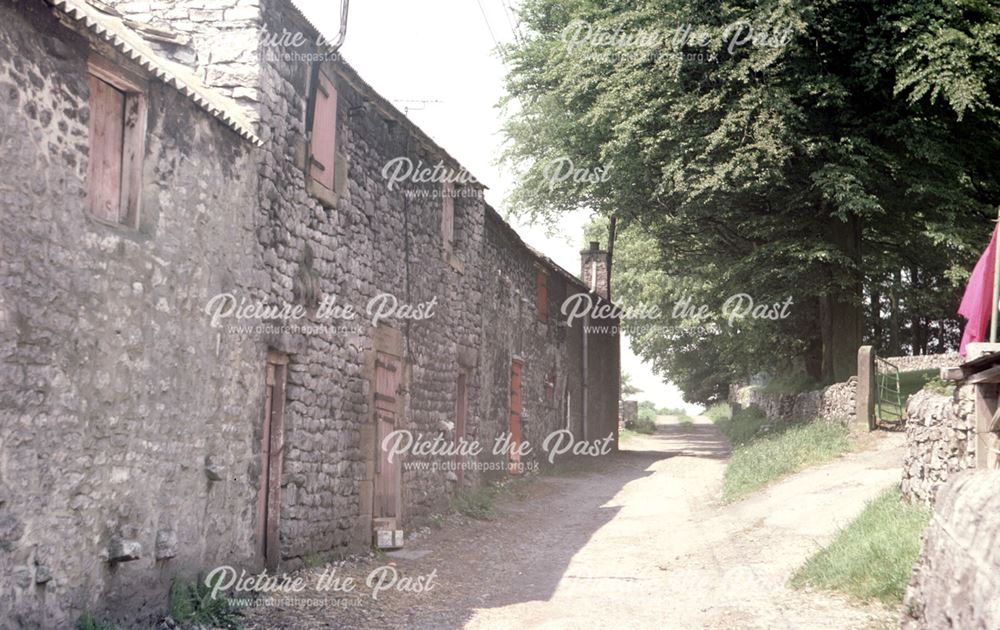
(193, 603)
(627, 388)
(671, 411)
(625, 434)
(87, 622)
(477, 503)
(646, 420)
(646, 424)
(719, 412)
(764, 451)
(853, 167)
(741, 426)
(314, 560)
(871, 558)
(939, 386)
(780, 452)
(790, 384)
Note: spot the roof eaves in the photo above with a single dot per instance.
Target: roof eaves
(132, 45)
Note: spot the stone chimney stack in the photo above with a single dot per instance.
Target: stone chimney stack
(594, 266)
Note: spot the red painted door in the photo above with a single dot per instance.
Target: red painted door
(272, 448)
(515, 416)
(388, 371)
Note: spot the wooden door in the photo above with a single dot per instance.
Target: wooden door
(388, 373)
(461, 413)
(272, 448)
(515, 416)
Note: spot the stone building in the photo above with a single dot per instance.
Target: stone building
(168, 166)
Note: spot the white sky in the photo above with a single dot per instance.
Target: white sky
(443, 51)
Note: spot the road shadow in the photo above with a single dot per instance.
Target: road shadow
(519, 557)
(687, 440)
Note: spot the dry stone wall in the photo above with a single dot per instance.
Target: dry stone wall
(912, 363)
(940, 441)
(830, 404)
(955, 582)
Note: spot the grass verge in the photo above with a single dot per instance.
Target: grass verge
(764, 451)
(871, 558)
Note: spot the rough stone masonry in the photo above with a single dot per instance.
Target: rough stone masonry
(138, 441)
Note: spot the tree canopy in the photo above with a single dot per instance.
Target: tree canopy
(841, 154)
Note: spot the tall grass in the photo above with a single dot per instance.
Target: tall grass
(871, 558)
(764, 451)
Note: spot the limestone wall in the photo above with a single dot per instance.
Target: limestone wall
(912, 363)
(831, 404)
(130, 441)
(955, 582)
(115, 394)
(940, 441)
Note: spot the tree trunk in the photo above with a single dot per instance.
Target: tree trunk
(841, 313)
(813, 356)
(894, 313)
(876, 309)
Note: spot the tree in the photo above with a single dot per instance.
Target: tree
(628, 389)
(857, 139)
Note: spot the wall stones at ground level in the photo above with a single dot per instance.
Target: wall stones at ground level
(940, 432)
(956, 580)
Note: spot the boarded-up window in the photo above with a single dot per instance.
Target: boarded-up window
(542, 294)
(323, 143)
(448, 217)
(116, 143)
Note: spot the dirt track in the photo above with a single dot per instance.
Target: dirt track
(638, 539)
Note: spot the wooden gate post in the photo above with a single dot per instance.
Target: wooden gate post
(864, 399)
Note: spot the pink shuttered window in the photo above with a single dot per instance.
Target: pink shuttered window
(448, 216)
(323, 145)
(116, 143)
(107, 132)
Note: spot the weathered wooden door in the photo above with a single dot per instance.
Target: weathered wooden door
(388, 373)
(272, 448)
(461, 411)
(515, 416)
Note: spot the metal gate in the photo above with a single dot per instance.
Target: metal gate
(888, 394)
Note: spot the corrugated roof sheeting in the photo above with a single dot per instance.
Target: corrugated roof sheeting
(132, 45)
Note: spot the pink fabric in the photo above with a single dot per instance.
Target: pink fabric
(978, 297)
